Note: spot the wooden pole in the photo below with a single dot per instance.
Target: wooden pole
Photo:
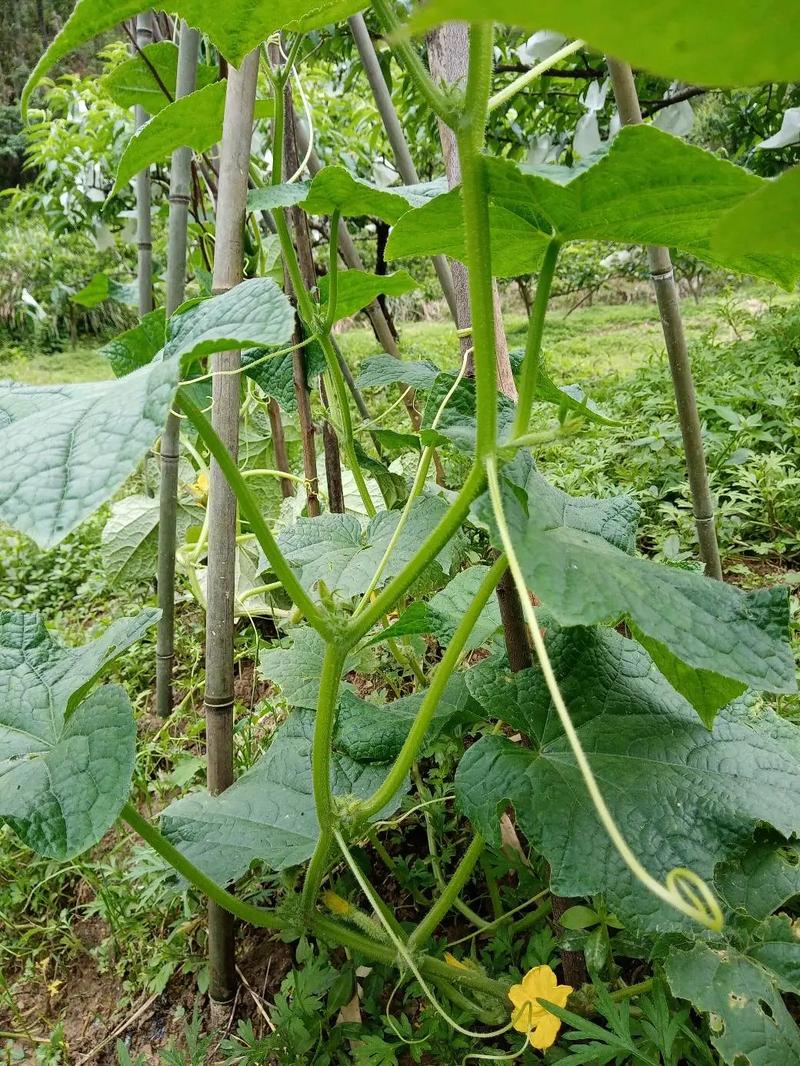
(179, 199)
(234, 167)
(669, 308)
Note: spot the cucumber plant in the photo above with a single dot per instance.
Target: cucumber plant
(650, 753)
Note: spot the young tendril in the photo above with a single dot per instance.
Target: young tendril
(683, 889)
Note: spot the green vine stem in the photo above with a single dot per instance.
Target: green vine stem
(251, 511)
(533, 344)
(330, 678)
(413, 742)
(426, 928)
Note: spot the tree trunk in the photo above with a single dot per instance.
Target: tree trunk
(448, 49)
(179, 199)
(228, 265)
(675, 339)
(298, 226)
(279, 446)
(144, 238)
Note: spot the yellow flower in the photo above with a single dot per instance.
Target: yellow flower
(200, 488)
(451, 960)
(336, 903)
(529, 1015)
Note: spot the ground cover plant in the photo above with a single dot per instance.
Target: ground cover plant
(448, 638)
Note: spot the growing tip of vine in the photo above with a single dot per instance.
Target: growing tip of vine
(693, 897)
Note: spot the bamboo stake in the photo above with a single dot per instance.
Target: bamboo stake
(397, 139)
(144, 237)
(179, 200)
(669, 308)
(228, 265)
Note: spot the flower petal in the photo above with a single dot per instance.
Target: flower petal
(545, 1033)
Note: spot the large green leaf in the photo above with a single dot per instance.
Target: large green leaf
(381, 370)
(143, 78)
(683, 796)
(437, 228)
(236, 27)
(269, 813)
(68, 450)
(129, 543)
(65, 761)
(357, 289)
(336, 189)
(193, 121)
(766, 222)
(442, 613)
(376, 732)
(734, 42)
(582, 577)
(647, 188)
(334, 549)
(457, 423)
(296, 670)
(763, 879)
(138, 346)
(254, 313)
(748, 1019)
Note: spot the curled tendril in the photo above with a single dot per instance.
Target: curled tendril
(682, 889)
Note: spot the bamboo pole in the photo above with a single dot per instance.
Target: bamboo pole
(179, 200)
(397, 139)
(669, 308)
(234, 167)
(144, 236)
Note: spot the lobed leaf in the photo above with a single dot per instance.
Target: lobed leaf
(683, 796)
(129, 543)
(65, 761)
(766, 222)
(381, 370)
(296, 670)
(138, 346)
(357, 289)
(268, 814)
(58, 469)
(583, 576)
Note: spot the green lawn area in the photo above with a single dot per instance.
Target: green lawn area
(589, 345)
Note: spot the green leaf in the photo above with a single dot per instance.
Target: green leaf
(66, 761)
(766, 222)
(763, 879)
(138, 346)
(576, 567)
(457, 424)
(268, 813)
(381, 370)
(336, 189)
(714, 43)
(376, 732)
(268, 197)
(394, 487)
(565, 397)
(441, 615)
(357, 289)
(129, 543)
(296, 670)
(193, 121)
(437, 228)
(236, 29)
(101, 288)
(275, 375)
(706, 691)
(749, 1022)
(775, 944)
(134, 81)
(683, 796)
(578, 917)
(253, 313)
(335, 550)
(67, 451)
